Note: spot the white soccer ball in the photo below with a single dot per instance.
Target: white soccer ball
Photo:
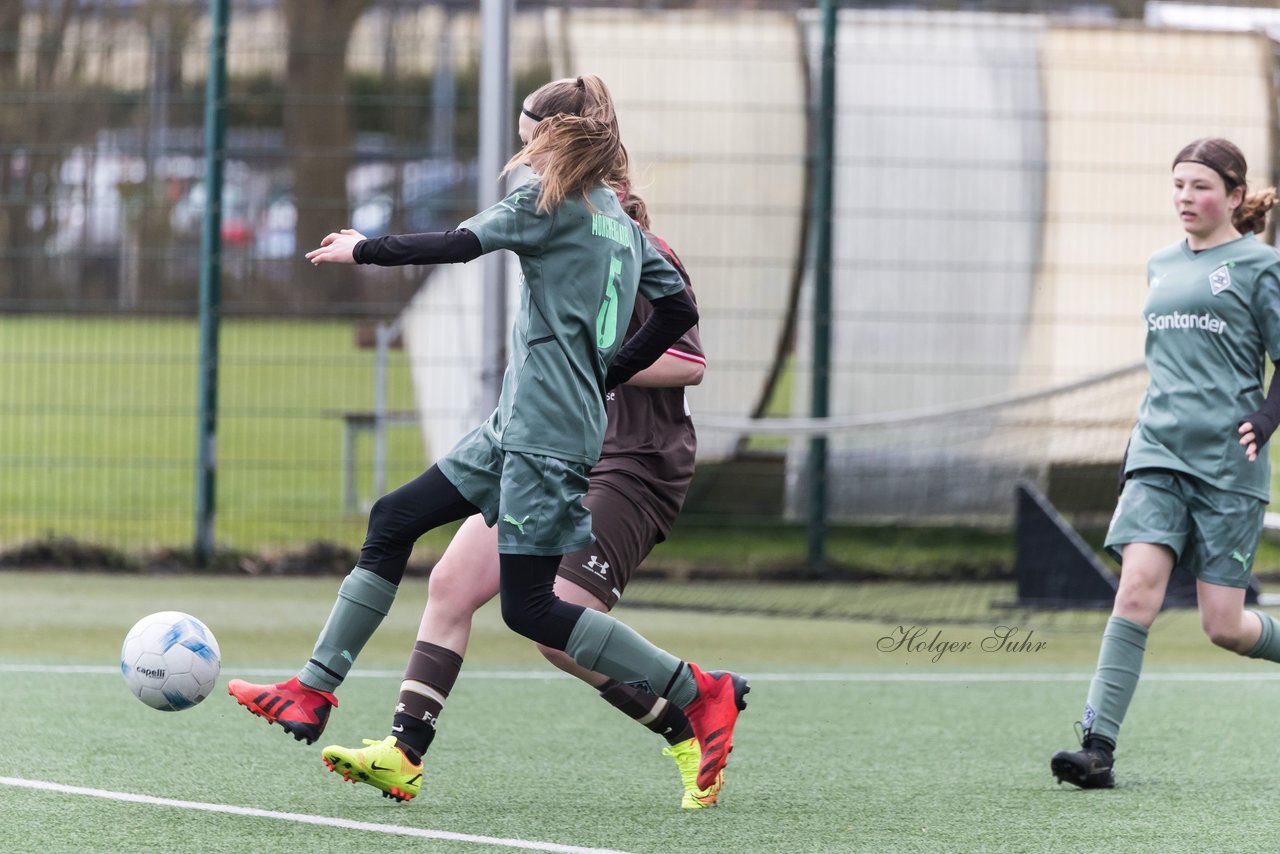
(170, 660)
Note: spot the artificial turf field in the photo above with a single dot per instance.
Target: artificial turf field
(844, 747)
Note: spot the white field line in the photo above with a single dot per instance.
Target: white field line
(536, 675)
(301, 818)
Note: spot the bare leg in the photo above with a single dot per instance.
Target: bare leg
(465, 578)
(1224, 619)
(1143, 580)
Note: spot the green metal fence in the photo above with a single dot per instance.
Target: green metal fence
(997, 181)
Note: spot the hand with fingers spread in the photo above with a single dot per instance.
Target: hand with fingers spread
(1254, 432)
(336, 248)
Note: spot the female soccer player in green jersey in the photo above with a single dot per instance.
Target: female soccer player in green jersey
(525, 469)
(636, 491)
(1196, 479)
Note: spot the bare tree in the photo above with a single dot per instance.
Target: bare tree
(317, 133)
(32, 123)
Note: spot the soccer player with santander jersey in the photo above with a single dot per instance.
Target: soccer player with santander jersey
(1196, 477)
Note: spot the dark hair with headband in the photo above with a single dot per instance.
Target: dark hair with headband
(1225, 158)
(578, 131)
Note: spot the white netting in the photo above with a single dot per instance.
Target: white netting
(956, 462)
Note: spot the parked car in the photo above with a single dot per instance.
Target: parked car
(429, 196)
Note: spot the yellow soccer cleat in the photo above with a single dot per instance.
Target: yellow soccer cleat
(688, 757)
(381, 764)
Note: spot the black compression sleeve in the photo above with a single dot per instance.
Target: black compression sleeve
(433, 247)
(1265, 419)
(672, 317)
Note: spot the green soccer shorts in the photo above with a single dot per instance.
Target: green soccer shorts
(535, 501)
(1213, 533)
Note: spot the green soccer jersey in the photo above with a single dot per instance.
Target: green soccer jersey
(1212, 317)
(582, 264)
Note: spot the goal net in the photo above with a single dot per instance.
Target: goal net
(954, 463)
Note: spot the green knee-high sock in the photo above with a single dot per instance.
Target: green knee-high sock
(363, 600)
(601, 643)
(1119, 665)
(1268, 645)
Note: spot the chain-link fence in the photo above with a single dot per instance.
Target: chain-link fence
(1000, 179)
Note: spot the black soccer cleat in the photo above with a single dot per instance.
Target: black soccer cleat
(1090, 767)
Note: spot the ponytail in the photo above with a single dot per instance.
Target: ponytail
(577, 132)
(1251, 216)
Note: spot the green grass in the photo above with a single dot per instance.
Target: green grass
(99, 432)
(871, 764)
(100, 429)
(897, 550)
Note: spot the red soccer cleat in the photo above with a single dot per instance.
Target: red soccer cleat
(712, 715)
(301, 711)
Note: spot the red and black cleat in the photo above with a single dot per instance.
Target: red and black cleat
(721, 696)
(301, 711)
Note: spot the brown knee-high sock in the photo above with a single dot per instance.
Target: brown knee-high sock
(427, 682)
(654, 712)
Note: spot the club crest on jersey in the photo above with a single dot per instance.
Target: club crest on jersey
(1219, 280)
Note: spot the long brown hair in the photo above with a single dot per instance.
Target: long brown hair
(578, 132)
(1225, 158)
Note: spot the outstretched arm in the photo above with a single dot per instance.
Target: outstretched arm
(349, 246)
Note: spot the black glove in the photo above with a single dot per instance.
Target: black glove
(1263, 426)
(1267, 415)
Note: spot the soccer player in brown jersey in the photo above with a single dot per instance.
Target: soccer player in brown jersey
(583, 264)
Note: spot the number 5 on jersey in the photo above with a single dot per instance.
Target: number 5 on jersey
(607, 319)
